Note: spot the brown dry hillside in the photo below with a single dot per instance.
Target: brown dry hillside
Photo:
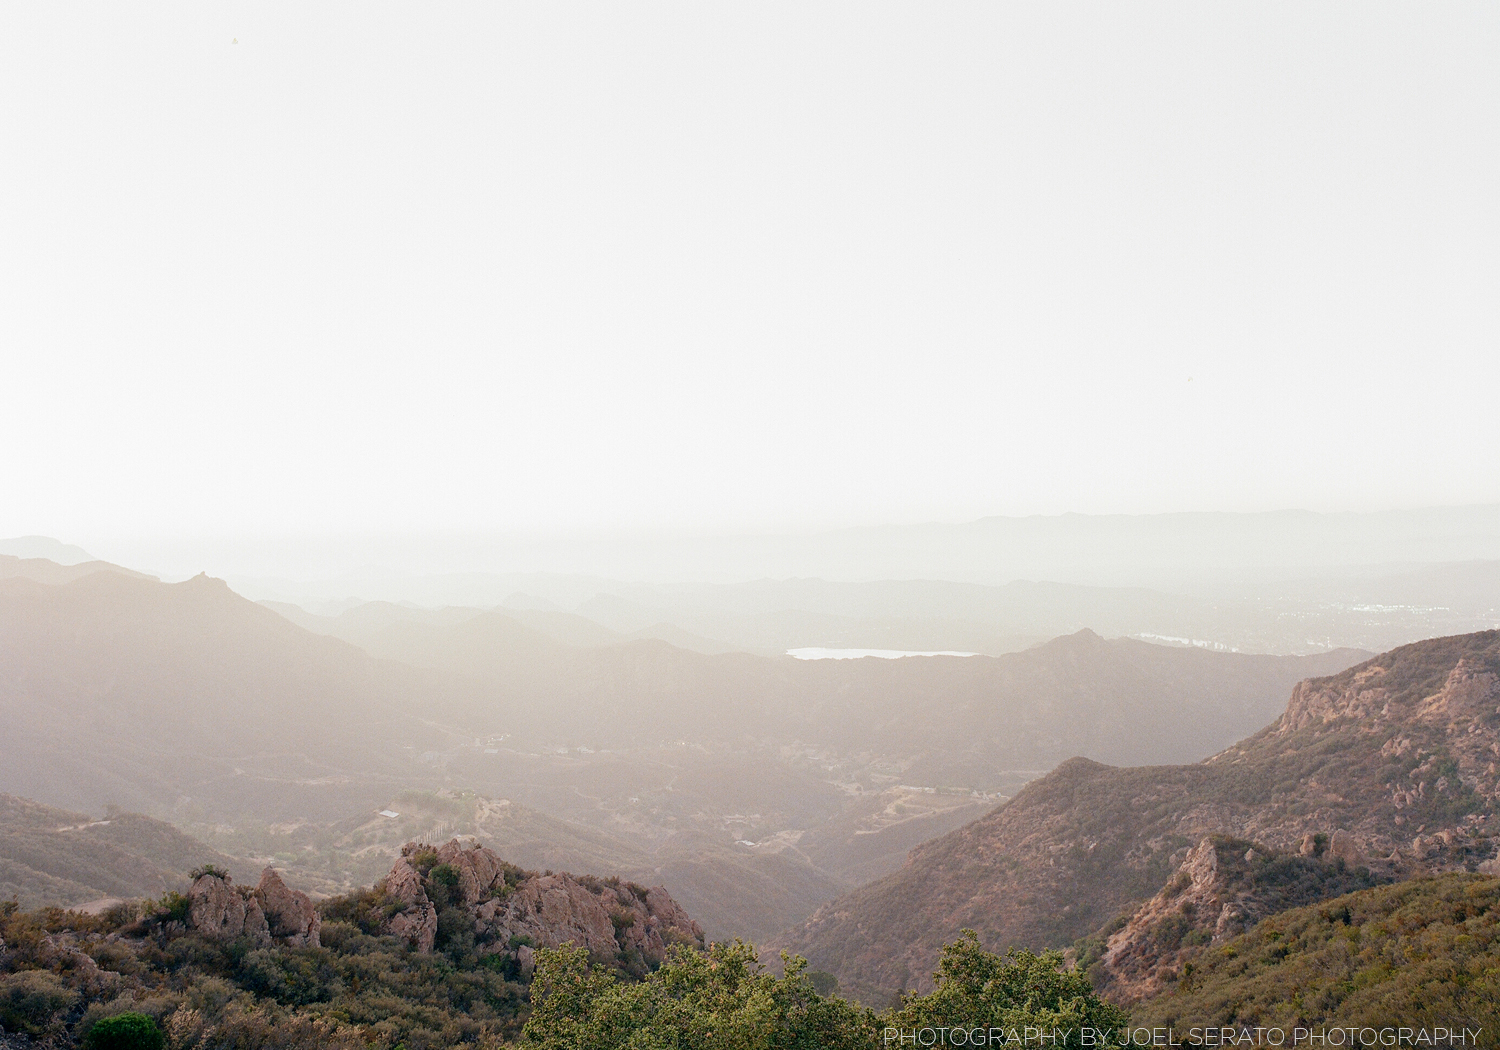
(53, 856)
(1398, 753)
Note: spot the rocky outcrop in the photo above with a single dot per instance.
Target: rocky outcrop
(289, 913)
(514, 910)
(219, 908)
(270, 913)
(1134, 959)
(416, 921)
(1222, 888)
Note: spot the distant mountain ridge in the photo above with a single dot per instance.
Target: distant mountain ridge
(33, 548)
(1162, 551)
(1118, 700)
(44, 570)
(1394, 758)
(386, 629)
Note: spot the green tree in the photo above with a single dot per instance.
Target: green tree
(979, 989)
(722, 999)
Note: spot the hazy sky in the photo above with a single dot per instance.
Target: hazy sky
(321, 267)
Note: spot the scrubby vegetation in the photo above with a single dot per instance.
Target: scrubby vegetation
(63, 973)
(1254, 880)
(1424, 952)
(139, 978)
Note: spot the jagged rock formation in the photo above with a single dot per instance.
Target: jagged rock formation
(219, 908)
(416, 921)
(1390, 765)
(515, 910)
(290, 913)
(268, 914)
(1222, 888)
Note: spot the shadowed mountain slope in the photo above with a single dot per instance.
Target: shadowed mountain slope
(131, 691)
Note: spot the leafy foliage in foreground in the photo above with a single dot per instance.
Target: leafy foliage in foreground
(1424, 952)
(978, 989)
(723, 1000)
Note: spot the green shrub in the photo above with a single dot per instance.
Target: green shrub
(823, 982)
(130, 1031)
(31, 999)
(173, 907)
(718, 998)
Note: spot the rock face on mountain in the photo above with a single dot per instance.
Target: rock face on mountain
(1389, 766)
(515, 910)
(270, 913)
(1222, 888)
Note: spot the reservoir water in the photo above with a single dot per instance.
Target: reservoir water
(855, 654)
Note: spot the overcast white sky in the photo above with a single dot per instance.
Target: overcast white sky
(321, 267)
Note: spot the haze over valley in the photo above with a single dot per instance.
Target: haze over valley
(797, 779)
(741, 527)
(656, 730)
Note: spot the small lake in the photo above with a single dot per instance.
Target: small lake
(855, 654)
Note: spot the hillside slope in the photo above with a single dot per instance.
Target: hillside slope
(1397, 754)
(186, 697)
(53, 856)
(1424, 953)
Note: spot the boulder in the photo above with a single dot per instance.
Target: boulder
(218, 908)
(477, 868)
(289, 913)
(1343, 847)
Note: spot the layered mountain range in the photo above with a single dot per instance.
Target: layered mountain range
(754, 787)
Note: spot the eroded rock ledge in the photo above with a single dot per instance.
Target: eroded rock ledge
(514, 910)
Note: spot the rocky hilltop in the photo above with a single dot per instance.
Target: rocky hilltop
(461, 889)
(1389, 767)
